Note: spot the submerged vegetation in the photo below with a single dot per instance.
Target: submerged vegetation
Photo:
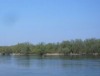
(73, 47)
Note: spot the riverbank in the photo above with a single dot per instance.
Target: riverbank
(74, 47)
(55, 54)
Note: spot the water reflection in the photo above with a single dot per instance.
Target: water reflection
(23, 61)
(49, 66)
(5, 59)
(54, 61)
(30, 61)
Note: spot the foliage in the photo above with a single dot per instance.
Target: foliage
(78, 46)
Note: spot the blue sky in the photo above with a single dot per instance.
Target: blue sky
(48, 20)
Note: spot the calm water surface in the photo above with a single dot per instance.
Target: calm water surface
(49, 66)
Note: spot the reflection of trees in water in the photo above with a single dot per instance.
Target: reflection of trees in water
(41, 62)
(23, 61)
(77, 61)
(29, 61)
(5, 59)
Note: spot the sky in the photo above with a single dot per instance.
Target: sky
(48, 21)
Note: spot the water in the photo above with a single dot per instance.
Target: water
(49, 66)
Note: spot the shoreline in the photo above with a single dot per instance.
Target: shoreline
(55, 54)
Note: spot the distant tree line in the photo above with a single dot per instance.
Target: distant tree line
(78, 46)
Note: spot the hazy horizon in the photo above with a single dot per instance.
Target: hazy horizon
(48, 21)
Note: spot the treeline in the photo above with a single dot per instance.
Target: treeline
(78, 46)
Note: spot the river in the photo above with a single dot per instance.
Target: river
(49, 66)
